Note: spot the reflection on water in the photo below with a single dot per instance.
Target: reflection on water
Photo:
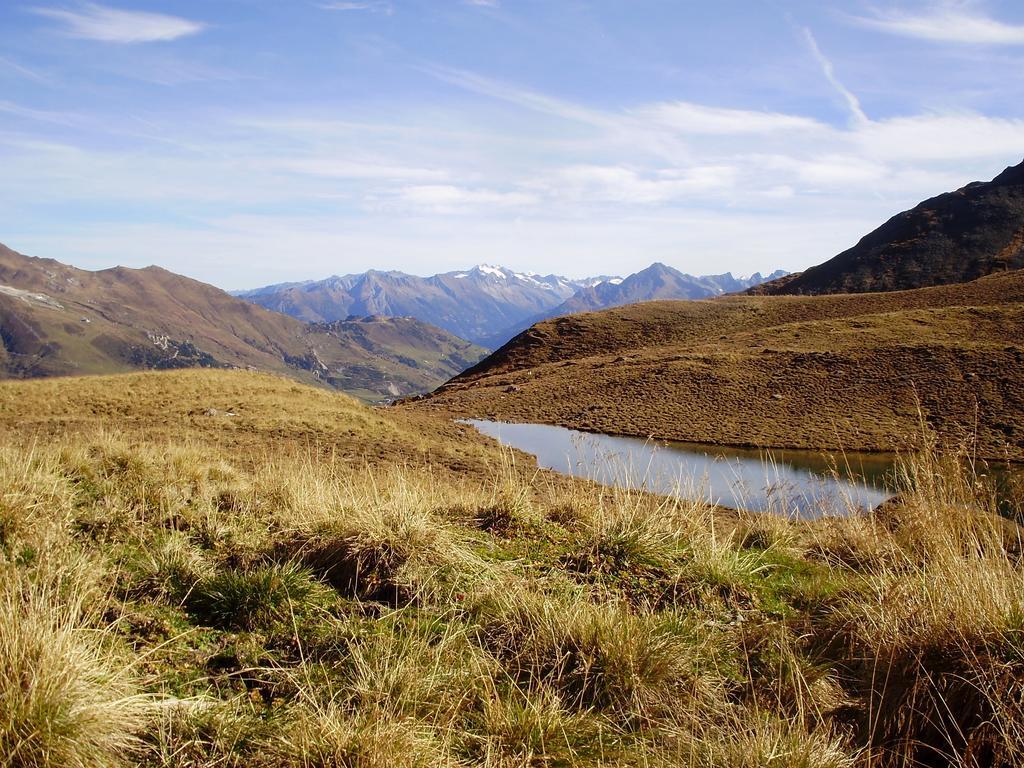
(795, 483)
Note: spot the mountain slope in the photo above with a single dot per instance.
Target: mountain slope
(952, 238)
(831, 372)
(393, 356)
(58, 320)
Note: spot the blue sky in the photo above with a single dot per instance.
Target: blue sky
(244, 142)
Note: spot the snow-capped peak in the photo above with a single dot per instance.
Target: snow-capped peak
(590, 282)
(556, 284)
(487, 269)
(530, 277)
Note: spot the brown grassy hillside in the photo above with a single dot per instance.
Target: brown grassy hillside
(837, 372)
(58, 320)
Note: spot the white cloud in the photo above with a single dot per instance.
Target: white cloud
(93, 21)
(948, 23)
(941, 137)
(839, 171)
(619, 184)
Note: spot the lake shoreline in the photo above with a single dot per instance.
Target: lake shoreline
(791, 482)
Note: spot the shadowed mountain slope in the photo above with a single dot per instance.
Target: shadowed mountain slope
(952, 238)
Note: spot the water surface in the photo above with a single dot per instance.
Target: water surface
(794, 483)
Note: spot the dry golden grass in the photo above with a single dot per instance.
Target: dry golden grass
(67, 692)
(178, 596)
(272, 417)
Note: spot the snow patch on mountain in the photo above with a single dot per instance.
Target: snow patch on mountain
(487, 269)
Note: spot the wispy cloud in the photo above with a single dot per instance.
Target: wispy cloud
(688, 117)
(523, 97)
(537, 175)
(619, 184)
(377, 6)
(92, 21)
(633, 130)
(23, 71)
(484, 3)
(361, 169)
(448, 198)
(851, 101)
(39, 115)
(947, 23)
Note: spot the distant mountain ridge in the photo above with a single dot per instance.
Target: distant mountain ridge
(486, 304)
(951, 238)
(472, 304)
(59, 320)
(656, 282)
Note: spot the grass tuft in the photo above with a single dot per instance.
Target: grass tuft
(67, 692)
(261, 598)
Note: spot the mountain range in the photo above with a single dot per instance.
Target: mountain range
(486, 304)
(382, 335)
(656, 282)
(59, 320)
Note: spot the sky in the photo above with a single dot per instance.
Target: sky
(246, 142)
